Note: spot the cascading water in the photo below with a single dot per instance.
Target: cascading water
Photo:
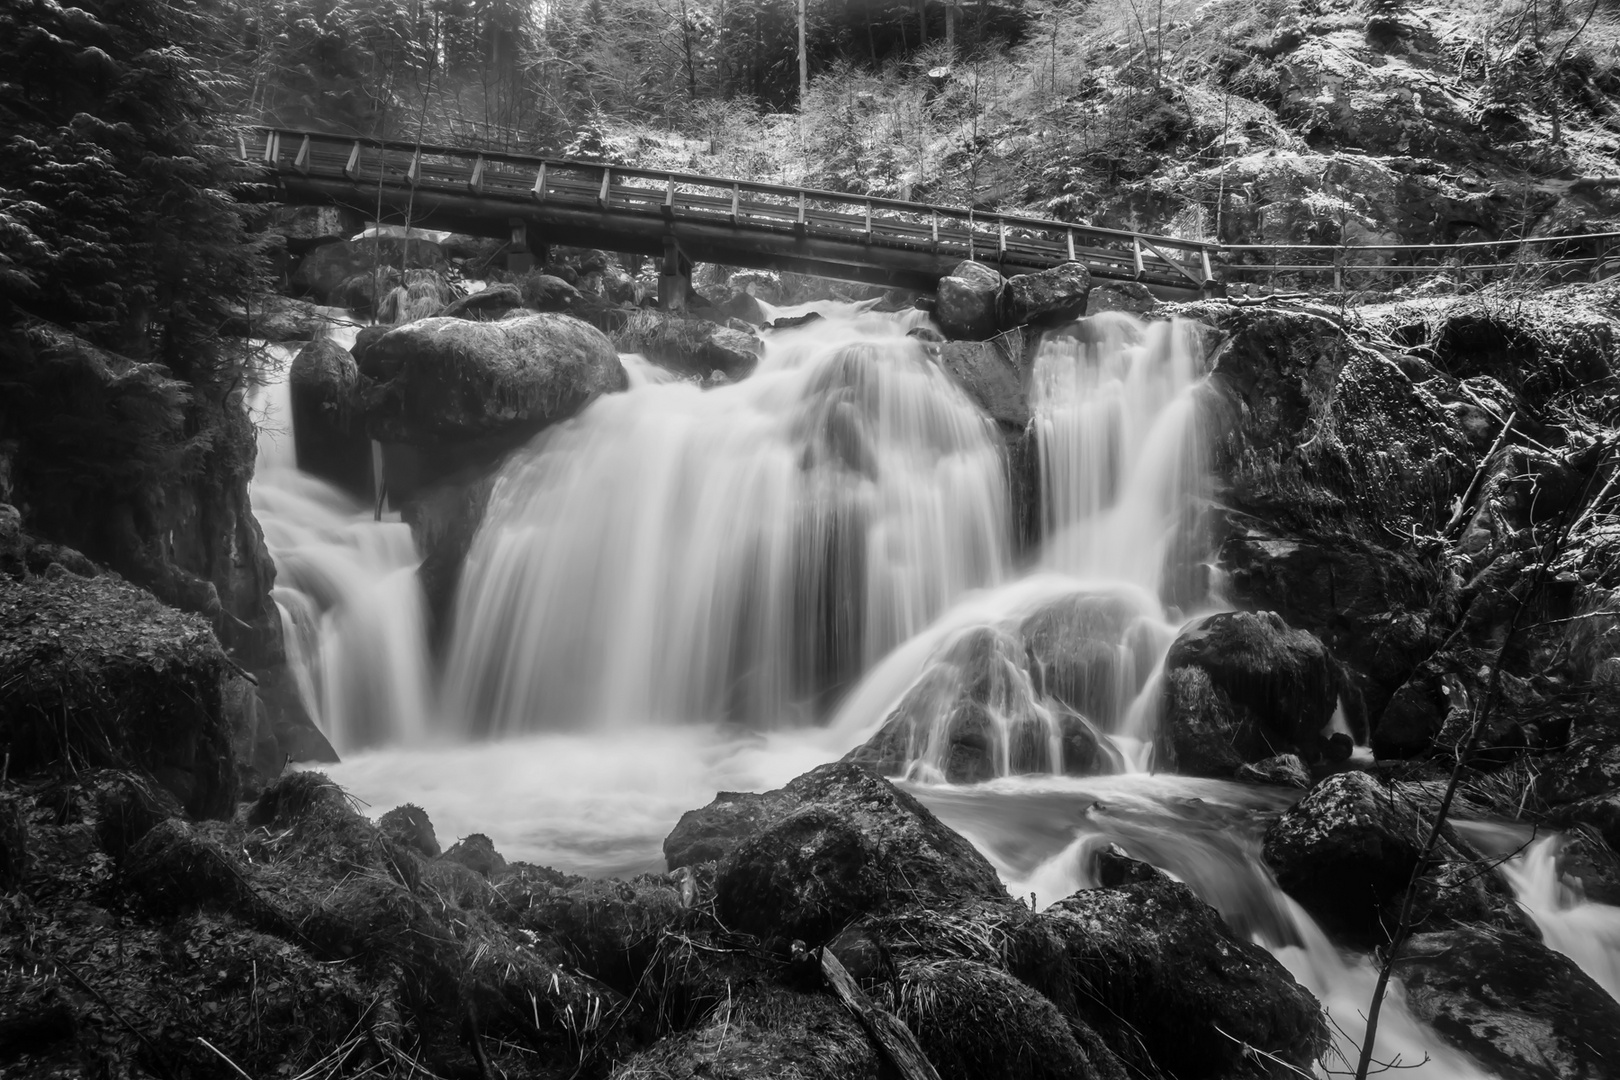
(352, 615)
(731, 557)
(730, 554)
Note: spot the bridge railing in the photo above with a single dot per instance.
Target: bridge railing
(947, 232)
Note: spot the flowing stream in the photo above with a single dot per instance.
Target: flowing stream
(682, 591)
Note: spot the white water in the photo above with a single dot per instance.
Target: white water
(649, 615)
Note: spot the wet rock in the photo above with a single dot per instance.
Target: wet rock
(487, 305)
(1516, 1006)
(547, 293)
(409, 825)
(1128, 296)
(1090, 651)
(328, 435)
(1588, 769)
(1588, 858)
(689, 345)
(1345, 850)
(766, 1031)
(98, 669)
(842, 842)
(1046, 298)
(976, 1022)
(991, 376)
(458, 381)
(128, 807)
(444, 518)
(1284, 770)
(477, 853)
(1160, 976)
(612, 928)
(1600, 813)
(967, 302)
(1241, 687)
(325, 270)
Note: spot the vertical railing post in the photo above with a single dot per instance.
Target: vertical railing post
(301, 161)
(868, 221)
(414, 173)
(1070, 234)
(475, 182)
(802, 224)
(736, 195)
(605, 194)
(669, 197)
(539, 189)
(934, 228)
(352, 169)
(1136, 249)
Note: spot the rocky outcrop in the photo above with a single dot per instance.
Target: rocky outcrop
(444, 518)
(1240, 687)
(445, 380)
(1164, 979)
(968, 302)
(325, 270)
(1519, 1008)
(995, 374)
(329, 436)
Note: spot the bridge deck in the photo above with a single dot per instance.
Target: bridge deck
(733, 222)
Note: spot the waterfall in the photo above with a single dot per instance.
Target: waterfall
(740, 553)
(352, 614)
(1071, 652)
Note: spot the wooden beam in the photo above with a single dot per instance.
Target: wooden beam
(1136, 248)
(894, 1040)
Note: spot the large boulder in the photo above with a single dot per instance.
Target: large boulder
(444, 518)
(325, 270)
(494, 302)
(1345, 850)
(993, 374)
(98, 673)
(1241, 687)
(968, 301)
(1046, 298)
(1519, 1008)
(835, 843)
(271, 317)
(690, 346)
(1160, 974)
(329, 437)
(449, 380)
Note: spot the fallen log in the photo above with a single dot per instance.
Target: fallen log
(894, 1040)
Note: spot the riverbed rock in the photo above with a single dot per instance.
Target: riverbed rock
(449, 380)
(968, 300)
(323, 272)
(444, 518)
(1241, 687)
(1161, 976)
(98, 669)
(841, 841)
(1345, 850)
(271, 317)
(1599, 812)
(1516, 1006)
(992, 374)
(1046, 298)
(1284, 770)
(329, 437)
(689, 345)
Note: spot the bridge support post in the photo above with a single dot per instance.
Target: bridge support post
(521, 255)
(674, 277)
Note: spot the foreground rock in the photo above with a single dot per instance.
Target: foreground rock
(95, 672)
(1161, 975)
(1516, 1006)
(836, 843)
(1047, 298)
(446, 380)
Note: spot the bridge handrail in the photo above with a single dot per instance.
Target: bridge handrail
(973, 218)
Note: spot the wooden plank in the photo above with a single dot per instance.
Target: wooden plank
(894, 1040)
(1188, 274)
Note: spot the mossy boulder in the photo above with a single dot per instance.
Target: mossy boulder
(1161, 976)
(968, 302)
(323, 272)
(446, 380)
(835, 843)
(690, 346)
(97, 672)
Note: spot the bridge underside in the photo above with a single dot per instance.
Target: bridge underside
(647, 234)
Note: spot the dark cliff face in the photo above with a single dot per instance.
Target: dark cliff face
(143, 473)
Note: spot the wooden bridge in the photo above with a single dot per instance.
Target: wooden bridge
(682, 218)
